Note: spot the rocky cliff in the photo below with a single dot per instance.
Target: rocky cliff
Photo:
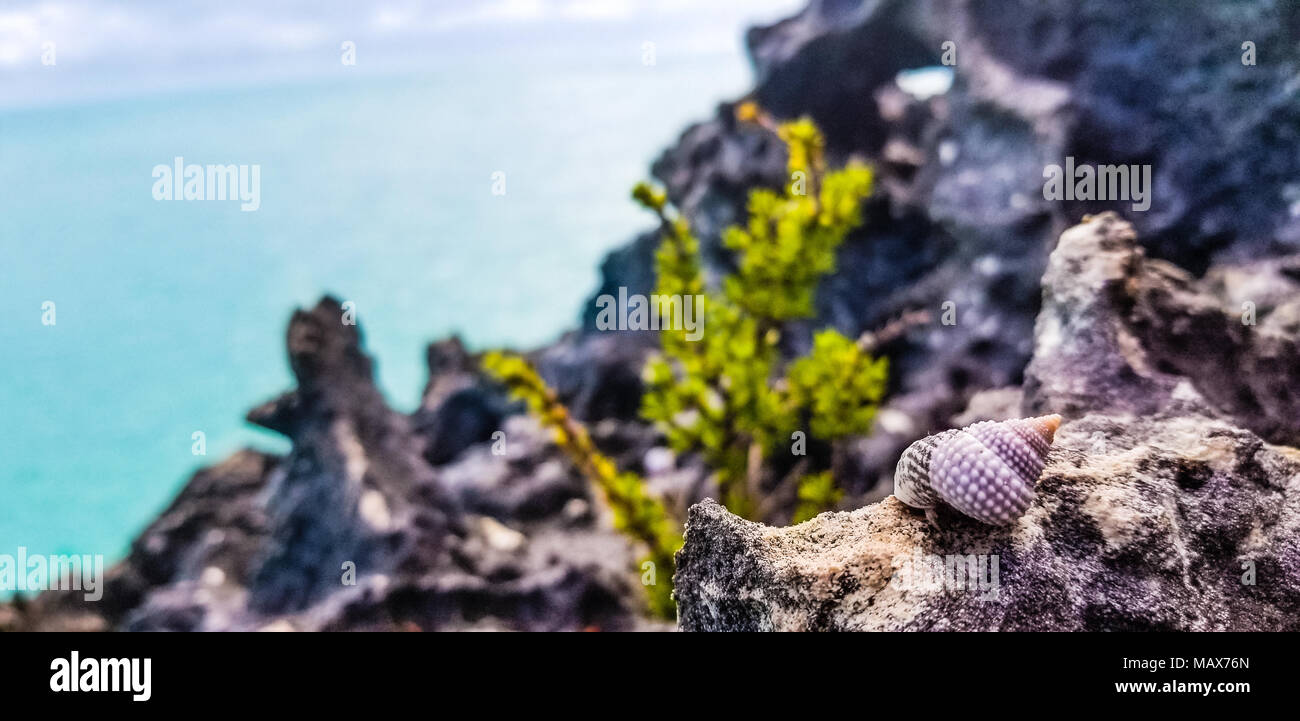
(1133, 330)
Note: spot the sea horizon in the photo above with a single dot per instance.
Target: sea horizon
(171, 315)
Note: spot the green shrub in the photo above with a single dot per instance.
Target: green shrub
(727, 395)
(722, 396)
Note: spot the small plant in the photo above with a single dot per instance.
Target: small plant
(722, 396)
(728, 395)
(636, 514)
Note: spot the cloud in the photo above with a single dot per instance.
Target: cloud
(23, 30)
(124, 44)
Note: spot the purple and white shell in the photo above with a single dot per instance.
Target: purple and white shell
(986, 470)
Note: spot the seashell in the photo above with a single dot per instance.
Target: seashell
(986, 470)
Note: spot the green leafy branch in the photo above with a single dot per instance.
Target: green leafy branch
(636, 513)
(721, 396)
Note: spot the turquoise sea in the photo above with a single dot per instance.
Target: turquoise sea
(170, 316)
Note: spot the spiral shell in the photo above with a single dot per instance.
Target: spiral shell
(986, 470)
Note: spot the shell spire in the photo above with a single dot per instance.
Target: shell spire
(986, 470)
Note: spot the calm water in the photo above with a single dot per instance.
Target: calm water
(171, 315)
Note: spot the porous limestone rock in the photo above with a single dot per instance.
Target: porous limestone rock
(1163, 504)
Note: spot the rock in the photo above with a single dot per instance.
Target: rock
(530, 481)
(1140, 524)
(264, 542)
(1071, 77)
(959, 215)
(1082, 333)
(218, 520)
(598, 375)
(1161, 506)
(1119, 332)
(353, 490)
(461, 406)
(998, 404)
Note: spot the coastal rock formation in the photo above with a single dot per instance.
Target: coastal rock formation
(1140, 328)
(1159, 509)
(960, 217)
(355, 528)
(1169, 342)
(459, 408)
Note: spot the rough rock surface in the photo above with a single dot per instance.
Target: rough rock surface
(1159, 508)
(1120, 332)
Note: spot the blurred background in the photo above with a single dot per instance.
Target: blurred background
(1148, 328)
(375, 185)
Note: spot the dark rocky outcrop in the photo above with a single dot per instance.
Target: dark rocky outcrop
(1159, 508)
(460, 407)
(510, 541)
(960, 214)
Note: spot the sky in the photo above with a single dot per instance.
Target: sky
(109, 48)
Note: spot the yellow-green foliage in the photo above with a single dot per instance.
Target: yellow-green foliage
(817, 492)
(636, 513)
(722, 395)
(790, 240)
(839, 383)
(726, 395)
